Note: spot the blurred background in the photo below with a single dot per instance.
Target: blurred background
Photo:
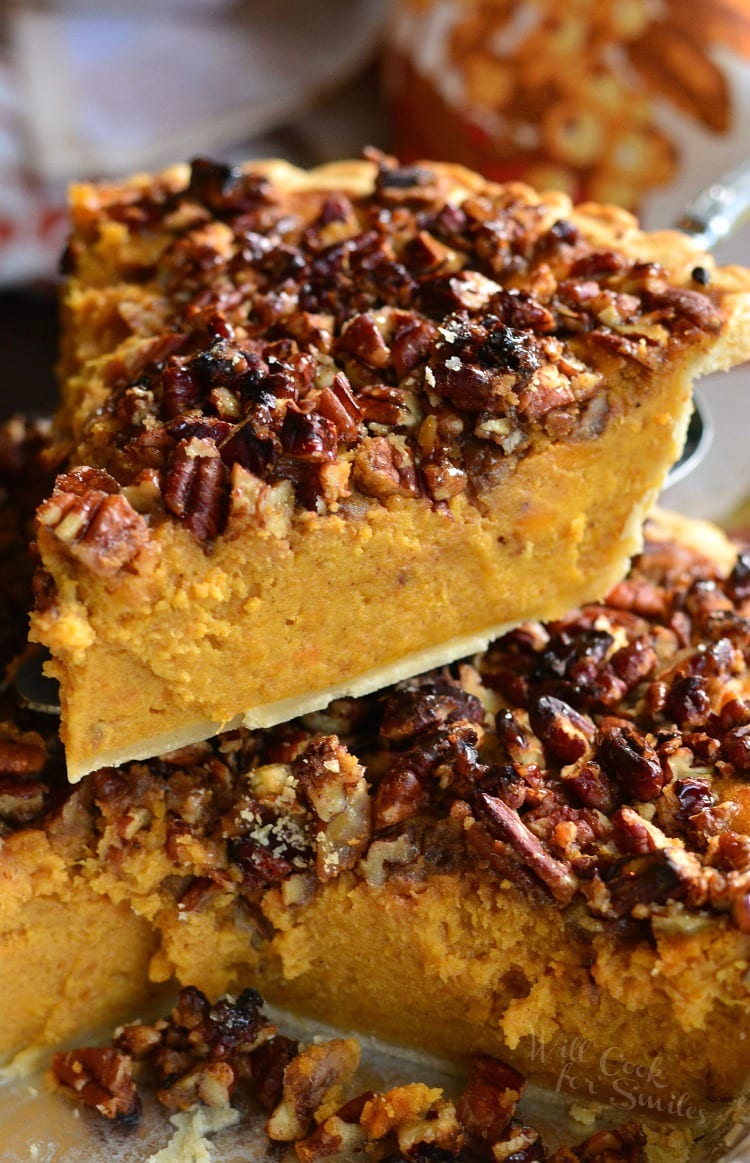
(640, 102)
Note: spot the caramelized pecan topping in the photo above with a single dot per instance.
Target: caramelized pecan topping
(295, 334)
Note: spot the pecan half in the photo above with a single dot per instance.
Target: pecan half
(194, 489)
(504, 823)
(98, 527)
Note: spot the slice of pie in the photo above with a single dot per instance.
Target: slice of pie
(541, 853)
(325, 430)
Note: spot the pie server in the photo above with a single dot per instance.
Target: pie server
(713, 216)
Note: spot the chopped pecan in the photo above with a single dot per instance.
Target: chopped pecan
(211, 1083)
(420, 1117)
(659, 876)
(21, 753)
(630, 347)
(446, 755)
(636, 835)
(332, 783)
(381, 404)
(520, 310)
(730, 851)
(439, 295)
(688, 702)
(511, 734)
(362, 339)
(308, 437)
(407, 713)
(387, 854)
(693, 305)
(634, 663)
(335, 1137)
(489, 1101)
(630, 760)
(101, 1078)
(694, 797)
(588, 784)
(735, 748)
(337, 404)
(225, 189)
(549, 389)
(412, 344)
(308, 1079)
(623, 1144)
(139, 1041)
(21, 800)
(566, 734)
(424, 253)
(383, 469)
(224, 1029)
(399, 796)
(266, 1066)
(737, 585)
(443, 478)
(260, 868)
(523, 1144)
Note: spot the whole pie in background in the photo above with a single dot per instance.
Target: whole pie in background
(594, 98)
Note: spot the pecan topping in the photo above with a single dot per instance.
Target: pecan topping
(596, 758)
(311, 335)
(101, 1078)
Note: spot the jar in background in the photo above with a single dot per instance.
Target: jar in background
(635, 102)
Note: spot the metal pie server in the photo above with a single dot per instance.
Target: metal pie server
(713, 216)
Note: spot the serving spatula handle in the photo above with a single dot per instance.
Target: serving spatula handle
(720, 210)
